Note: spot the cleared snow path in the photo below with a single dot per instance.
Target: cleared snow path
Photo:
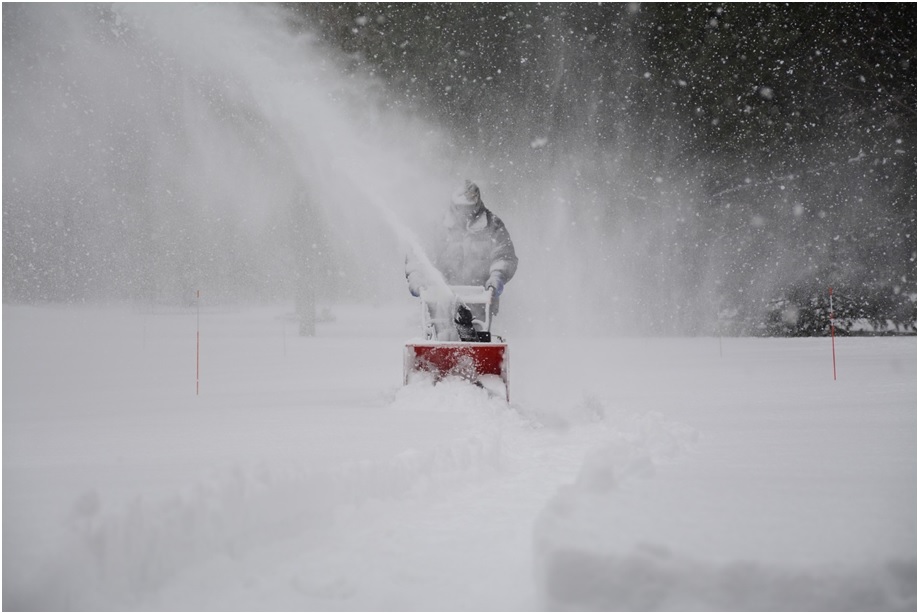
(461, 537)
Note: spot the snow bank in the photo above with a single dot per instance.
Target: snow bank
(613, 540)
(653, 578)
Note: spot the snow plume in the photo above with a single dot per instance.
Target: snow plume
(152, 150)
(411, 241)
(155, 149)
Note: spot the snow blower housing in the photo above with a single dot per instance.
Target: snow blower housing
(458, 340)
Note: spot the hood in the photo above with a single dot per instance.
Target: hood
(472, 217)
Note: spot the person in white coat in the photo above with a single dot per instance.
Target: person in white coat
(473, 248)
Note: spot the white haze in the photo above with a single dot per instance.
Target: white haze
(151, 150)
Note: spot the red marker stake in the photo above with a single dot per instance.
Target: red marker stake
(832, 327)
(197, 357)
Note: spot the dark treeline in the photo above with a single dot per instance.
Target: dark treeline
(769, 148)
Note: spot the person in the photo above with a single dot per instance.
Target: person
(473, 248)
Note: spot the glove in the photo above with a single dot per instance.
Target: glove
(496, 283)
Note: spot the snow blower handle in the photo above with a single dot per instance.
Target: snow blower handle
(487, 321)
(438, 300)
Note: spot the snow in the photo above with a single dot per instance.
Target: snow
(625, 474)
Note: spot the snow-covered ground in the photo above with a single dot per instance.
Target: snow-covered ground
(624, 474)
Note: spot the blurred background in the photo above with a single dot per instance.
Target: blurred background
(663, 169)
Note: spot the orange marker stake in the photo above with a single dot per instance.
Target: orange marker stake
(197, 357)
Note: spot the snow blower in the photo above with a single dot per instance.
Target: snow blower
(458, 340)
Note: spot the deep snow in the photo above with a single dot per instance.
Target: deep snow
(625, 474)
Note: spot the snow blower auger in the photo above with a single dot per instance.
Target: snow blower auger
(458, 340)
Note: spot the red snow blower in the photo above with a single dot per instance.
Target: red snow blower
(458, 340)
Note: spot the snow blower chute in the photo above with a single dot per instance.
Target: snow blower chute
(458, 340)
